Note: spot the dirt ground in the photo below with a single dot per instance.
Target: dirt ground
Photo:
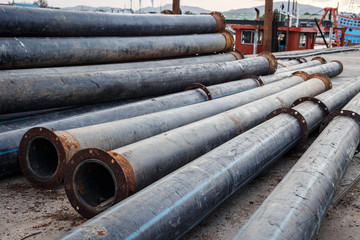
(31, 213)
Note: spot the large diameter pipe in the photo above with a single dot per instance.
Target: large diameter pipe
(30, 93)
(212, 58)
(41, 147)
(52, 52)
(315, 61)
(176, 203)
(32, 22)
(133, 167)
(9, 141)
(127, 131)
(296, 206)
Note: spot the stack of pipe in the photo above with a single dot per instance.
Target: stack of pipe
(174, 204)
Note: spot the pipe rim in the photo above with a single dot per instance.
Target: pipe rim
(273, 64)
(35, 134)
(104, 159)
(229, 41)
(238, 54)
(322, 77)
(220, 21)
(321, 59)
(302, 74)
(341, 65)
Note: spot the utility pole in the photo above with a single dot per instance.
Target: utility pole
(176, 7)
(268, 25)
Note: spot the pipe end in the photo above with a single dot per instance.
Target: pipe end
(341, 65)
(42, 157)
(220, 21)
(321, 59)
(302, 74)
(322, 77)
(229, 41)
(95, 180)
(272, 61)
(238, 54)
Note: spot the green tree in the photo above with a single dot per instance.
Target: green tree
(41, 3)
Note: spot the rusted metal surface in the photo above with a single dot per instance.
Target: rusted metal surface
(30, 92)
(46, 52)
(176, 7)
(179, 146)
(32, 22)
(321, 59)
(272, 61)
(257, 78)
(302, 74)
(41, 154)
(220, 20)
(322, 77)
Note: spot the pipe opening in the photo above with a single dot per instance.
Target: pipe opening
(42, 157)
(95, 184)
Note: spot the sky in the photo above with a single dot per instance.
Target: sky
(222, 5)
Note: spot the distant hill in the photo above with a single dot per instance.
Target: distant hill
(196, 10)
(302, 8)
(98, 9)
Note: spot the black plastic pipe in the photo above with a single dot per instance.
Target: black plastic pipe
(173, 205)
(136, 166)
(34, 161)
(314, 62)
(212, 58)
(46, 91)
(126, 131)
(296, 206)
(52, 52)
(32, 22)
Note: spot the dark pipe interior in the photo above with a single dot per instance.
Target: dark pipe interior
(42, 157)
(94, 184)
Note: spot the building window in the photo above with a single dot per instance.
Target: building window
(248, 36)
(302, 40)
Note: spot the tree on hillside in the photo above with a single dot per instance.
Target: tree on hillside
(41, 3)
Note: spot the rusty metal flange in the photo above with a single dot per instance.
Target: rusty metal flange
(345, 113)
(341, 65)
(272, 61)
(229, 39)
(302, 74)
(321, 59)
(202, 87)
(119, 169)
(62, 150)
(238, 54)
(322, 77)
(298, 116)
(321, 104)
(220, 20)
(302, 60)
(256, 78)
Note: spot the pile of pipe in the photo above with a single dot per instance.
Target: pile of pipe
(192, 129)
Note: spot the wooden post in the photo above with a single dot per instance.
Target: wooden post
(176, 7)
(268, 25)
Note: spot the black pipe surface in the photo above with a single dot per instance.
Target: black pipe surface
(51, 52)
(112, 135)
(173, 205)
(31, 92)
(135, 167)
(32, 22)
(296, 206)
